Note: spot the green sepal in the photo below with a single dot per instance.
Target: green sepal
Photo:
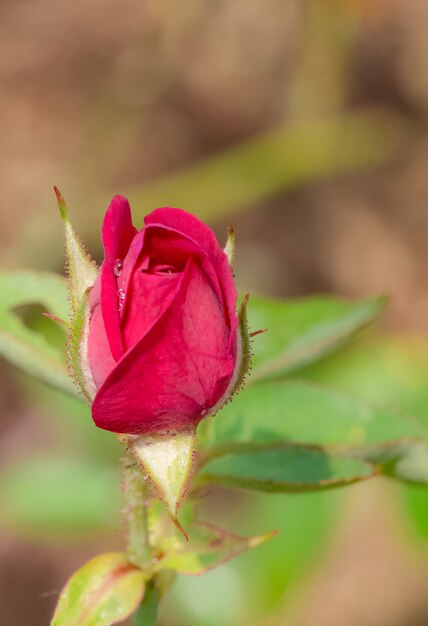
(105, 591)
(77, 342)
(243, 359)
(166, 460)
(82, 270)
(245, 346)
(207, 548)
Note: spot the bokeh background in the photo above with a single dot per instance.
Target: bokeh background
(302, 122)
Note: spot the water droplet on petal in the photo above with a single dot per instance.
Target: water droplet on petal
(121, 296)
(145, 476)
(118, 267)
(173, 433)
(203, 412)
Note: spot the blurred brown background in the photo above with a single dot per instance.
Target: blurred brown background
(168, 102)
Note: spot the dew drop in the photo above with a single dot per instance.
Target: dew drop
(145, 476)
(162, 433)
(203, 412)
(173, 433)
(155, 561)
(118, 267)
(121, 296)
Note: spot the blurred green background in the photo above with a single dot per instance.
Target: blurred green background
(302, 122)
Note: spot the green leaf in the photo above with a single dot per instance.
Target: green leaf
(303, 330)
(283, 468)
(104, 591)
(391, 370)
(59, 496)
(147, 612)
(82, 271)
(414, 500)
(306, 530)
(301, 412)
(411, 464)
(298, 412)
(29, 350)
(208, 547)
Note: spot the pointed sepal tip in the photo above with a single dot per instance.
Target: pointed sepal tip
(82, 270)
(166, 460)
(62, 205)
(229, 249)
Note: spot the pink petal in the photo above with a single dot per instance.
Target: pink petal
(117, 234)
(100, 358)
(189, 225)
(149, 295)
(177, 371)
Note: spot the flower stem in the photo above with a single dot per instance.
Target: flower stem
(136, 514)
(139, 548)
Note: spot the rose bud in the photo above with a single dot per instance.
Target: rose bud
(162, 343)
(156, 344)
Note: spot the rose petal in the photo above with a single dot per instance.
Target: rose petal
(117, 234)
(179, 368)
(117, 229)
(191, 227)
(149, 296)
(100, 358)
(148, 245)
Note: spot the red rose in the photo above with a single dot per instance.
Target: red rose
(163, 341)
